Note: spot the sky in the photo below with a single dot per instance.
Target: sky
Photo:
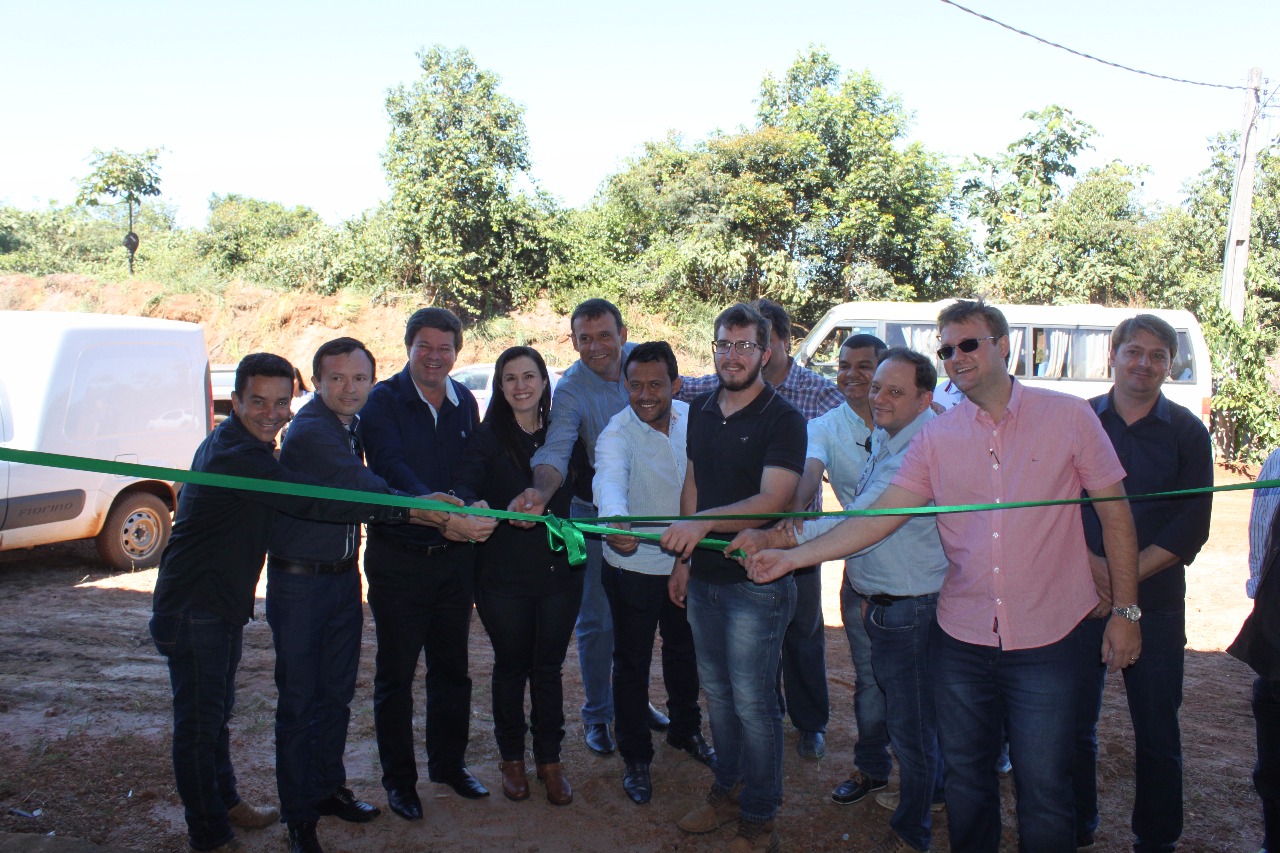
(285, 101)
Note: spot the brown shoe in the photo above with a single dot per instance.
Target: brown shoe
(720, 808)
(559, 791)
(515, 780)
(755, 837)
(252, 817)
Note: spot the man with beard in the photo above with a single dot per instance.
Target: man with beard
(746, 453)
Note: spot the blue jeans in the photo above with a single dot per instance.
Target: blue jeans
(1153, 686)
(203, 652)
(976, 689)
(1266, 773)
(737, 630)
(900, 656)
(594, 630)
(871, 752)
(802, 677)
(316, 621)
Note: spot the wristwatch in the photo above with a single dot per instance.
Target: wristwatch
(1133, 613)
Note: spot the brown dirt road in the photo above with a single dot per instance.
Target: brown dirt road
(84, 720)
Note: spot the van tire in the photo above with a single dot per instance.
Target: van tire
(135, 533)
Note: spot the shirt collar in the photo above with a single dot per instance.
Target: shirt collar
(1160, 410)
(895, 444)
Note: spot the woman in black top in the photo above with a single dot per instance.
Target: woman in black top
(526, 594)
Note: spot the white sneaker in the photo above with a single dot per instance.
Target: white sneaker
(890, 800)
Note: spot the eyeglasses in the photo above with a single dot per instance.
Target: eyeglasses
(967, 345)
(743, 347)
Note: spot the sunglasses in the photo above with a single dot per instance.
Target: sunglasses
(967, 345)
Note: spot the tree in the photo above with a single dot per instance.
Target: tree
(129, 177)
(456, 151)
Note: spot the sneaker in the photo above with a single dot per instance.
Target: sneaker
(755, 837)
(246, 816)
(892, 843)
(855, 789)
(1003, 765)
(720, 808)
(890, 799)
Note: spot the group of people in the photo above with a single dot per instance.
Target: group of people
(968, 629)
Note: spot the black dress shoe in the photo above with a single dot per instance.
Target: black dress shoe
(405, 802)
(598, 738)
(343, 805)
(697, 746)
(465, 785)
(302, 837)
(636, 782)
(856, 788)
(658, 721)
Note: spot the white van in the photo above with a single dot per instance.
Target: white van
(1063, 347)
(125, 389)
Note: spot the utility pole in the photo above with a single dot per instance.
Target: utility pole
(1236, 257)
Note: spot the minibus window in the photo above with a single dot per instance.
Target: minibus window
(1183, 368)
(1067, 353)
(827, 355)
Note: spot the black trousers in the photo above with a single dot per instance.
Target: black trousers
(641, 606)
(530, 636)
(421, 605)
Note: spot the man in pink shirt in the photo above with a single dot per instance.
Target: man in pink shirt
(1007, 640)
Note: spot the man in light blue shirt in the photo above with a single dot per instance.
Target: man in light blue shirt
(641, 459)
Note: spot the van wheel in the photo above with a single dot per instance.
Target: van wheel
(136, 531)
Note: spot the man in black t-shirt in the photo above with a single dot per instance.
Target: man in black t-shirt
(746, 449)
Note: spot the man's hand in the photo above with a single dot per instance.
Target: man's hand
(754, 540)
(433, 517)
(683, 536)
(470, 528)
(678, 583)
(530, 502)
(1121, 643)
(1102, 582)
(767, 566)
(620, 543)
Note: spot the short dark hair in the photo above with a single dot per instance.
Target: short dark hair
(862, 340)
(433, 318)
(966, 309)
(650, 352)
(593, 308)
(926, 373)
(1146, 323)
(777, 317)
(341, 346)
(742, 315)
(261, 364)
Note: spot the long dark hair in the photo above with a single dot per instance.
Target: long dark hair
(502, 419)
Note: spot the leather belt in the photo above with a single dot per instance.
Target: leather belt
(883, 599)
(309, 567)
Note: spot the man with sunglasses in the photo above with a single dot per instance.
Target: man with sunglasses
(746, 449)
(1008, 637)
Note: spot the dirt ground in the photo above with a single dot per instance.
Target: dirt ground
(84, 733)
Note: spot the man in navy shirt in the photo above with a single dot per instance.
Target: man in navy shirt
(1163, 447)
(746, 448)
(313, 600)
(204, 591)
(415, 429)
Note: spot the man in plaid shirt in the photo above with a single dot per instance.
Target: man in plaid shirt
(804, 665)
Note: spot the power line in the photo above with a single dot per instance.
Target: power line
(1089, 56)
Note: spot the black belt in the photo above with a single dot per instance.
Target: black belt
(883, 599)
(310, 567)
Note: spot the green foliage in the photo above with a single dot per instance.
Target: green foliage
(242, 230)
(820, 202)
(120, 174)
(462, 232)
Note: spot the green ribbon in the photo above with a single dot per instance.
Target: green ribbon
(562, 534)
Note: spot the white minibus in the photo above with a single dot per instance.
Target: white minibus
(1063, 347)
